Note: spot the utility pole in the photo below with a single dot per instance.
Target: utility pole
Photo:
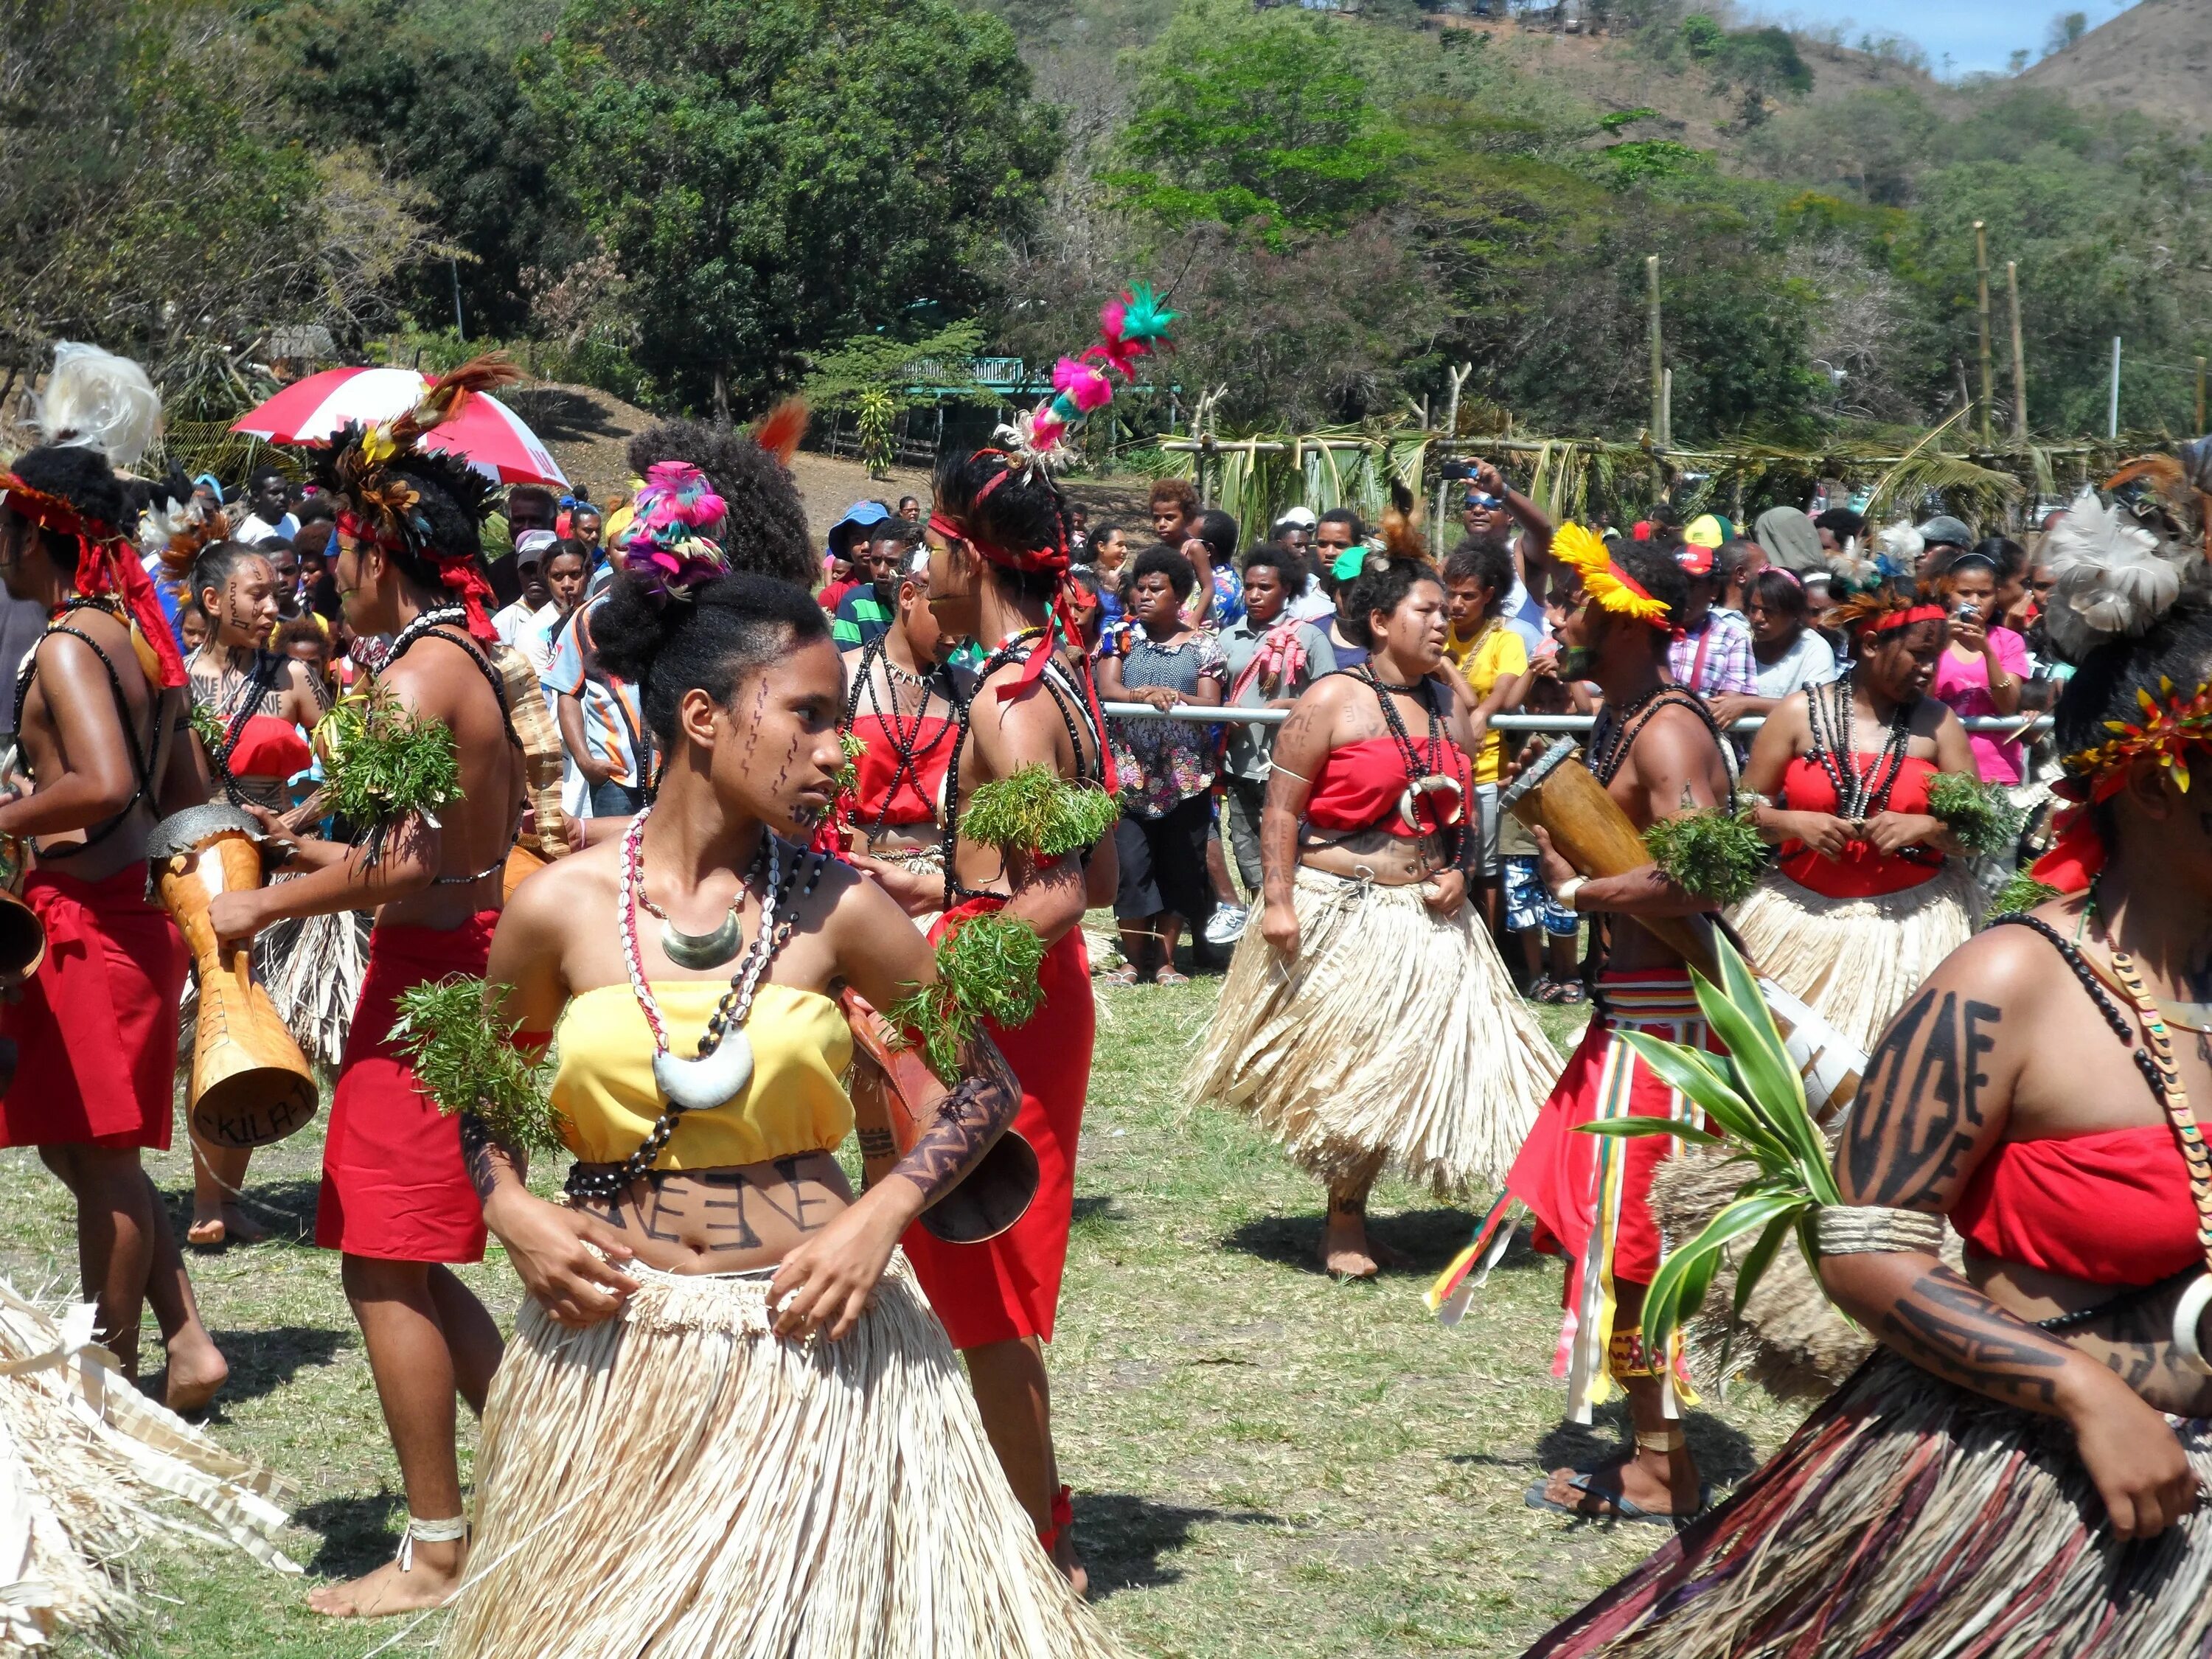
(2200, 394)
(1982, 286)
(2019, 358)
(1658, 354)
(2113, 408)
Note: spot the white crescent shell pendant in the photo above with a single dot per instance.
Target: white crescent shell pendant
(715, 1079)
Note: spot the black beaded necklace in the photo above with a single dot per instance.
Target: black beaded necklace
(1429, 760)
(1617, 729)
(906, 742)
(1861, 793)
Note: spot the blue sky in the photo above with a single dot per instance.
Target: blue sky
(1978, 35)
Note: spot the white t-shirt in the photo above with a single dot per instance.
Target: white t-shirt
(255, 529)
(1808, 661)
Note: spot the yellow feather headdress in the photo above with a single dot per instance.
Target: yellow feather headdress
(1609, 586)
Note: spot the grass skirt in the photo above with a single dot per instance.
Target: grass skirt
(1397, 1034)
(1911, 1519)
(1855, 961)
(678, 1482)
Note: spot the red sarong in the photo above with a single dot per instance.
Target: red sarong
(394, 1186)
(96, 1030)
(1592, 1194)
(1008, 1287)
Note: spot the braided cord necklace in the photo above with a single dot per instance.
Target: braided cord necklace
(1861, 792)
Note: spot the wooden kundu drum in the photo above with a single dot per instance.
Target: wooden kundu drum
(893, 1089)
(250, 1084)
(1556, 792)
(22, 935)
(523, 861)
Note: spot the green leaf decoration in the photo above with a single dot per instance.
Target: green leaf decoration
(1036, 811)
(467, 1062)
(209, 726)
(1754, 1096)
(1979, 816)
(987, 969)
(849, 775)
(383, 764)
(1714, 854)
(2022, 892)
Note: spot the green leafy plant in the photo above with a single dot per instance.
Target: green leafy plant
(987, 969)
(2022, 892)
(467, 1062)
(384, 763)
(1715, 854)
(1756, 1097)
(208, 726)
(1036, 811)
(1977, 815)
(849, 775)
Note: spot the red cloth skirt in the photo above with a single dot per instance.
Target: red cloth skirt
(1008, 1287)
(96, 1030)
(394, 1187)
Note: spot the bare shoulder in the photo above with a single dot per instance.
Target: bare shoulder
(2008, 964)
(572, 894)
(1677, 738)
(439, 677)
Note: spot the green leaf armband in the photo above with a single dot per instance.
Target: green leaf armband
(2022, 892)
(848, 780)
(1713, 854)
(987, 969)
(1036, 811)
(1978, 815)
(382, 763)
(469, 1064)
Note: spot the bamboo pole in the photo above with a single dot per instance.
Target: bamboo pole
(2200, 394)
(1658, 352)
(1982, 313)
(2019, 358)
(2113, 408)
(1451, 430)
(1667, 409)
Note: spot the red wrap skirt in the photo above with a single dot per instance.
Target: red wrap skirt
(96, 1030)
(394, 1186)
(1008, 1287)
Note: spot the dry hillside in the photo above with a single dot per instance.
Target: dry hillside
(2155, 57)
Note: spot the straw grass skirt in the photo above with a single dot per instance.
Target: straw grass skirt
(1396, 1035)
(679, 1482)
(1913, 1520)
(1856, 961)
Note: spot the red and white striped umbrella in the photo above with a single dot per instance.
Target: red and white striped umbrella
(486, 434)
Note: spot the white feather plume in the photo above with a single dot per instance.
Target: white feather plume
(1901, 545)
(97, 400)
(2111, 577)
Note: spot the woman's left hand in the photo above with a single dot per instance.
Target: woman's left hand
(1892, 832)
(917, 892)
(826, 1282)
(1448, 892)
(1161, 698)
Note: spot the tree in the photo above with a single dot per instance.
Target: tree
(1242, 117)
(2066, 28)
(776, 173)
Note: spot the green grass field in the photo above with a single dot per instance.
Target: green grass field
(1267, 1462)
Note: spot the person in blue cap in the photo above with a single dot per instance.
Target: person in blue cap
(849, 542)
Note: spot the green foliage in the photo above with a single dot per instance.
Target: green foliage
(207, 725)
(883, 365)
(1754, 1096)
(467, 1062)
(1035, 811)
(1979, 816)
(986, 969)
(1712, 853)
(2022, 892)
(849, 774)
(775, 173)
(384, 763)
(1243, 116)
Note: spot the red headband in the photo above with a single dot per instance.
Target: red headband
(1906, 617)
(459, 574)
(105, 564)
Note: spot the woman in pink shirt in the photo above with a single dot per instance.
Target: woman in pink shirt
(1981, 669)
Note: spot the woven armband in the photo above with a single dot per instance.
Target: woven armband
(1626, 1356)
(1876, 1232)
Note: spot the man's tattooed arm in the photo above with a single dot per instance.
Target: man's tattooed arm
(968, 1123)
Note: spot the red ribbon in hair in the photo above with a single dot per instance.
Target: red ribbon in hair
(1906, 617)
(458, 575)
(105, 564)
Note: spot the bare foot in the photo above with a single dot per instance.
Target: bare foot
(435, 1575)
(1063, 1557)
(207, 1232)
(1345, 1250)
(1658, 1485)
(197, 1370)
(242, 1231)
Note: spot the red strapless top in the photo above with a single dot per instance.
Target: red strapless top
(1359, 787)
(269, 747)
(1861, 872)
(892, 794)
(2110, 1208)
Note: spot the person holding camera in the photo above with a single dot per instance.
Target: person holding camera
(1981, 669)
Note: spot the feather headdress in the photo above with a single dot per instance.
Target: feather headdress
(1609, 586)
(2182, 485)
(178, 526)
(2111, 577)
(1874, 588)
(96, 400)
(1135, 325)
(667, 548)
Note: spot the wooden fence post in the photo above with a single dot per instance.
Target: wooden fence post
(1982, 313)
(2019, 358)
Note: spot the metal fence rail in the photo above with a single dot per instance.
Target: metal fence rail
(2013, 726)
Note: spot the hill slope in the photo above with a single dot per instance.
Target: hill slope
(2153, 58)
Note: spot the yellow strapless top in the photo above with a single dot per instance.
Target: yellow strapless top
(603, 1083)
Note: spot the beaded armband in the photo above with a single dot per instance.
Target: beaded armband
(1870, 1230)
(1036, 811)
(987, 969)
(1713, 854)
(1626, 1356)
(494, 1077)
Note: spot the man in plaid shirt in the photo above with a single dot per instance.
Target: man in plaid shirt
(1712, 652)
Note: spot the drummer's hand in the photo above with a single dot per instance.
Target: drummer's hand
(1450, 891)
(569, 1261)
(1555, 870)
(826, 1282)
(279, 838)
(235, 915)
